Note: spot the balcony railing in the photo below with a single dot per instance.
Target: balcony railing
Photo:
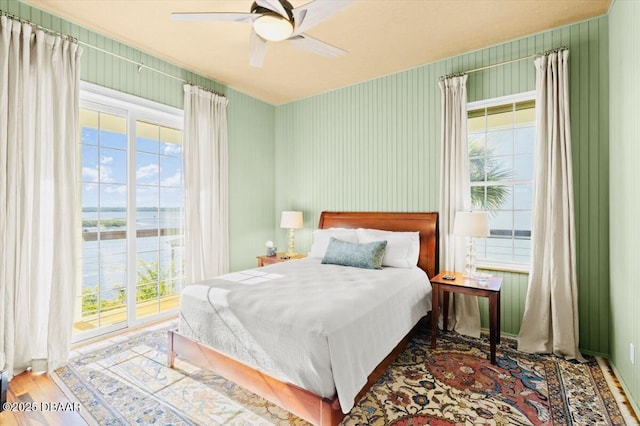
(122, 234)
(105, 316)
(118, 314)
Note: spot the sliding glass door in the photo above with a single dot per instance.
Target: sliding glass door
(101, 298)
(131, 190)
(159, 218)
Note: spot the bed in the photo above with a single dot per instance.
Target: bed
(268, 330)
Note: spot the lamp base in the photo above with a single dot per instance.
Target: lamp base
(292, 242)
(470, 265)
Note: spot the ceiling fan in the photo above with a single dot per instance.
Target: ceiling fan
(278, 20)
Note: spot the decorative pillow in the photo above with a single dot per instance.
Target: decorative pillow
(321, 239)
(367, 255)
(403, 248)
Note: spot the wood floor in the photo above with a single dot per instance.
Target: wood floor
(37, 388)
(29, 388)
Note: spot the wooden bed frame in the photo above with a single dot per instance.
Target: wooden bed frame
(301, 402)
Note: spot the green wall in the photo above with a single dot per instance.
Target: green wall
(250, 121)
(376, 146)
(624, 205)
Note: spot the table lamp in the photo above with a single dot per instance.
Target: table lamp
(470, 225)
(291, 220)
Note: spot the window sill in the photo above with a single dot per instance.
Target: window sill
(501, 268)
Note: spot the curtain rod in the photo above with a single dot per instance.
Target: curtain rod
(499, 64)
(38, 27)
(142, 66)
(139, 64)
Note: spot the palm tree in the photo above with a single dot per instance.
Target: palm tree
(485, 168)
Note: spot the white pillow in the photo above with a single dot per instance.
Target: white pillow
(321, 239)
(403, 248)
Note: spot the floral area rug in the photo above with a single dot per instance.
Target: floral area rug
(125, 381)
(455, 384)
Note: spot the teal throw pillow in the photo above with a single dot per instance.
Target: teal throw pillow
(367, 255)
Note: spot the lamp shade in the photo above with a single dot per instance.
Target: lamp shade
(291, 220)
(471, 224)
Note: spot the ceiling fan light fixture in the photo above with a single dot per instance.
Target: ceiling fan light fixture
(273, 27)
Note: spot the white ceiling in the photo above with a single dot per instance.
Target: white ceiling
(381, 36)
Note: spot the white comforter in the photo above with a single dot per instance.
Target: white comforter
(321, 327)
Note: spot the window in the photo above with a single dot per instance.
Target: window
(131, 192)
(501, 137)
(103, 139)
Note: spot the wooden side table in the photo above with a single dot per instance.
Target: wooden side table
(279, 257)
(466, 285)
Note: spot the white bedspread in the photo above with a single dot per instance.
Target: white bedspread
(321, 327)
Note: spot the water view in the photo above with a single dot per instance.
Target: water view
(159, 248)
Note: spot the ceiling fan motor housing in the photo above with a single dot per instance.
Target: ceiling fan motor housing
(255, 8)
(278, 20)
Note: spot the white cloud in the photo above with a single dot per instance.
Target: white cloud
(106, 160)
(172, 180)
(147, 171)
(90, 174)
(172, 149)
(105, 174)
(116, 189)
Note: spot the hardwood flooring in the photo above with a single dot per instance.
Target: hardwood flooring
(29, 388)
(36, 390)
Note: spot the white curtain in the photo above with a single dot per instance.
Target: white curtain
(455, 195)
(550, 322)
(39, 231)
(206, 184)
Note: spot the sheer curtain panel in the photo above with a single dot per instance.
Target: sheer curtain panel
(455, 195)
(206, 184)
(39, 230)
(550, 321)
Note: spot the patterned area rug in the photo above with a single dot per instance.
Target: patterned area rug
(457, 385)
(124, 381)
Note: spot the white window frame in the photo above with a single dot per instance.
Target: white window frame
(488, 103)
(134, 109)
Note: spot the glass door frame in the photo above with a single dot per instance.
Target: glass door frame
(134, 109)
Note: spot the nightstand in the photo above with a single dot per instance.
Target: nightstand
(268, 260)
(466, 285)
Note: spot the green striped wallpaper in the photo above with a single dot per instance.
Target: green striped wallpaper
(251, 148)
(625, 193)
(375, 146)
(512, 297)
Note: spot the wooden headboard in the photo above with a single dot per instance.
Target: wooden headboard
(425, 223)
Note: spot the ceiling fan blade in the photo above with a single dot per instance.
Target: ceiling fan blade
(257, 49)
(306, 42)
(311, 14)
(214, 16)
(274, 5)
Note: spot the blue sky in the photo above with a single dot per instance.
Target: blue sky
(104, 171)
